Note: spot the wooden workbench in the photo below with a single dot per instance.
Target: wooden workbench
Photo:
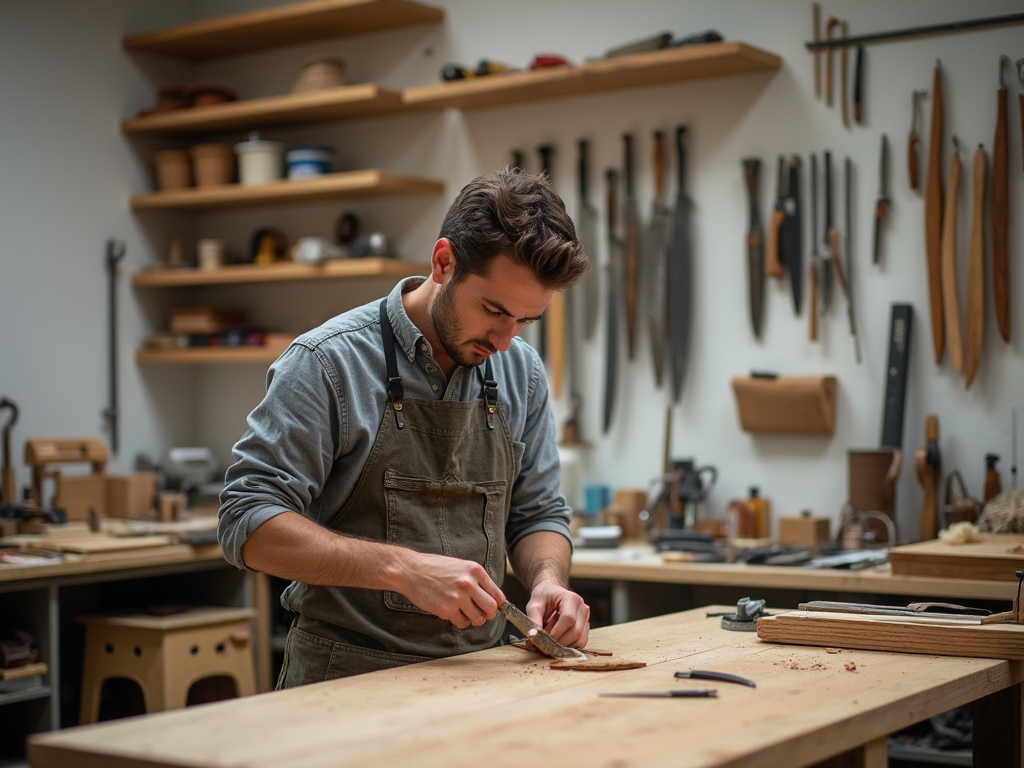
(506, 707)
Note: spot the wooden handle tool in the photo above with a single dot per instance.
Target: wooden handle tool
(832, 22)
(976, 270)
(813, 310)
(816, 32)
(929, 470)
(933, 217)
(772, 262)
(1000, 211)
(913, 141)
(842, 76)
(950, 295)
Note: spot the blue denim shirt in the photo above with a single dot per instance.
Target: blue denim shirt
(309, 438)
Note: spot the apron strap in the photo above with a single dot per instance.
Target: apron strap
(395, 389)
(490, 393)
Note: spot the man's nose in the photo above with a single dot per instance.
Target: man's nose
(501, 338)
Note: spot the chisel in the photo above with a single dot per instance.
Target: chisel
(755, 245)
(1000, 212)
(950, 295)
(791, 238)
(933, 217)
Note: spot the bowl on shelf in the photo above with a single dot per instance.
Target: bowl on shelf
(320, 72)
(306, 161)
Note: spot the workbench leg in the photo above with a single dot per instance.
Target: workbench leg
(997, 729)
(874, 754)
(260, 590)
(620, 602)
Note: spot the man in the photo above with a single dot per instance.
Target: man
(404, 447)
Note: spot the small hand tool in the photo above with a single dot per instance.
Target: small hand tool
(772, 262)
(883, 202)
(723, 677)
(545, 642)
(680, 276)
(1020, 97)
(586, 226)
(848, 282)
(933, 217)
(928, 461)
(543, 331)
(744, 619)
(679, 693)
(858, 87)
(614, 278)
(974, 336)
(913, 141)
(812, 280)
(816, 31)
(950, 293)
(832, 22)
(792, 235)
(655, 262)
(830, 240)
(755, 245)
(632, 247)
(1000, 212)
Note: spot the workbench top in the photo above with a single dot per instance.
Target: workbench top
(507, 707)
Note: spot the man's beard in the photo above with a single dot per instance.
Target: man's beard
(448, 328)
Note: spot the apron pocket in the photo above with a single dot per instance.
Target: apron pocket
(448, 517)
(313, 659)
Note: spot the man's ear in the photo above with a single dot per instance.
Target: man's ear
(442, 261)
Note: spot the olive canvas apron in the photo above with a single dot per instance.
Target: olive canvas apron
(438, 480)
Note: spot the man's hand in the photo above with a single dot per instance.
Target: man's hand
(561, 612)
(459, 591)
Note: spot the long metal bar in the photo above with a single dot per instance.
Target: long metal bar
(928, 29)
(115, 252)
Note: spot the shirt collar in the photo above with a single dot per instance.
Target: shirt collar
(407, 334)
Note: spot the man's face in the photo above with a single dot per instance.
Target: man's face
(479, 316)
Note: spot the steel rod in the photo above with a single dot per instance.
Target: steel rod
(115, 252)
(929, 29)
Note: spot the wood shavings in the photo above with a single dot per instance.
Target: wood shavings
(850, 666)
(833, 650)
(960, 533)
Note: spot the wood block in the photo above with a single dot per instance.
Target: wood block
(994, 558)
(130, 495)
(876, 633)
(76, 495)
(631, 502)
(803, 530)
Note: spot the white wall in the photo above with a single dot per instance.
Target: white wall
(64, 161)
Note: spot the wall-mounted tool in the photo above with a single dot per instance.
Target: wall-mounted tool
(883, 202)
(858, 87)
(812, 278)
(755, 245)
(586, 227)
(830, 240)
(680, 277)
(913, 141)
(8, 481)
(816, 31)
(656, 261)
(792, 235)
(1020, 97)
(632, 247)
(552, 323)
(832, 23)
(614, 278)
(928, 462)
(975, 331)
(933, 217)
(772, 262)
(111, 414)
(848, 223)
(950, 293)
(1000, 210)
(897, 368)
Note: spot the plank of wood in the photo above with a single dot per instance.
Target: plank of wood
(933, 218)
(282, 25)
(874, 633)
(25, 670)
(284, 271)
(99, 543)
(994, 558)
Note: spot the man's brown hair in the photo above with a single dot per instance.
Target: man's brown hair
(511, 212)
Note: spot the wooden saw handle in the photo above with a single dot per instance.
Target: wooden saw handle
(976, 270)
(950, 295)
(933, 218)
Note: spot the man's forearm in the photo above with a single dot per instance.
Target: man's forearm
(542, 556)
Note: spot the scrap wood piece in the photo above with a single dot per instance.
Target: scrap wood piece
(874, 633)
(597, 665)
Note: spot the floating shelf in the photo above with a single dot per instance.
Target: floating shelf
(210, 355)
(284, 25)
(668, 65)
(283, 272)
(364, 100)
(334, 185)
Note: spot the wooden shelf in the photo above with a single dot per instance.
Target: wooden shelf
(334, 185)
(364, 100)
(669, 65)
(280, 26)
(210, 355)
(283, 272)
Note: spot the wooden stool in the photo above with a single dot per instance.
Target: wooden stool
(166, 655)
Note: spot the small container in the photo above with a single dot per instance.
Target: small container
(210, 253)
(307, 161)
(173, 169)
(212, 164)
(320, 72)
(259, 161)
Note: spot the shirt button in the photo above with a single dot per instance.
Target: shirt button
(434, 387)
(424, 348)
(431, 368)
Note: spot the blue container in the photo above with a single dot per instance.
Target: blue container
(308, 160)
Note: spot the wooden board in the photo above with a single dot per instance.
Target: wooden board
(342, 269)
(873, 633)
(100, 543)
(994, 558)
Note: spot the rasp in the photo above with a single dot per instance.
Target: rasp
(791, 240)
(544, 642)
(1000, 213)
(755, 245)
(586, 230)
(680, 285)
(632, 248)
(656, 262)
(614, 278)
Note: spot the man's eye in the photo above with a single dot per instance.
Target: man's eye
(529, 322)
(492, 313)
